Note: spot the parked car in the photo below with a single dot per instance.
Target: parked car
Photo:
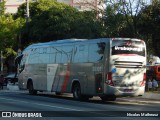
(11, 77)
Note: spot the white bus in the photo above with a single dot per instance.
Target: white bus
(104, 67)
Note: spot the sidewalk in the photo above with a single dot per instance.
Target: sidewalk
(11, 87)
(147, 98)
(152, 95)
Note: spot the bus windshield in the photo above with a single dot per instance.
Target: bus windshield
(128, 47)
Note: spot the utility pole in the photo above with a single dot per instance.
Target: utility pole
(1, 62)
(27, 9)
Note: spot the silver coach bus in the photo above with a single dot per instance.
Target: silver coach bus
(104, 67)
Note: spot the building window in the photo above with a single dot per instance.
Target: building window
(78, 7)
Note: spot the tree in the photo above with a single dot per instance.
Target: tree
(37, 8)
(149, 26)
(125, 13)
(9, 31)
(114, 22)
(60, 21)
(2, 7)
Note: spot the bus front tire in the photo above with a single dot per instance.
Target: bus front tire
(31, 89)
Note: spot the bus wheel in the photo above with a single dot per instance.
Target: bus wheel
(31, 89)
(108, 98)
(77, 91)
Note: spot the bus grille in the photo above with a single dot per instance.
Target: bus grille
(127, 64)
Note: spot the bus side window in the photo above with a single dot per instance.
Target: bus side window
(81, 54)
(58, 54)
(67, 52)
(52, 55)
(96, 52)
(44, 55)
(34, 56)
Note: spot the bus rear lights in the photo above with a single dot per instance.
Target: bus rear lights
(109, 82)
(144, 77)
(109, 79)
(109, 76)
(99, 89)
(143, 82)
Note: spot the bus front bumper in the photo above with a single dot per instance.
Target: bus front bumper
(124, 91)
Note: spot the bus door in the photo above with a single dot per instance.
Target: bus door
(51, 72)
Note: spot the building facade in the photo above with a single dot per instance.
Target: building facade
(81, 5)
(12, 5)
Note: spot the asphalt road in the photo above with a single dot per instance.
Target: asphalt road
(21, 105)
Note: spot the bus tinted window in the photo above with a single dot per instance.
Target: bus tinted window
(44, 55)
(58, 54)
(96, 52)
(81, 54)
(34, 56)
(67, 54)
(128, 47)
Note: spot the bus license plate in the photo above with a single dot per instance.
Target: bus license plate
(128, 90)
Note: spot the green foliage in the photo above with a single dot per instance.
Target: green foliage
(115, 22)
(9, 52)
(122, 18)
(60, 21)
(9, 31)
(2, 8)
(149, 26)
(37, 8)
(50, 20)
(141, 21)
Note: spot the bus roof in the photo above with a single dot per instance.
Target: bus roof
(135, 39)
(65, 41)
(68, 41)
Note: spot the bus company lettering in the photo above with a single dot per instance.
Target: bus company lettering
(129, 48)
(97, 68)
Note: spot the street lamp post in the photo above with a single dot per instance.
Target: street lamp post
(27, 8)
(1, 63)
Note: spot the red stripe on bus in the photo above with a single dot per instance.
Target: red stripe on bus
(66, 79)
